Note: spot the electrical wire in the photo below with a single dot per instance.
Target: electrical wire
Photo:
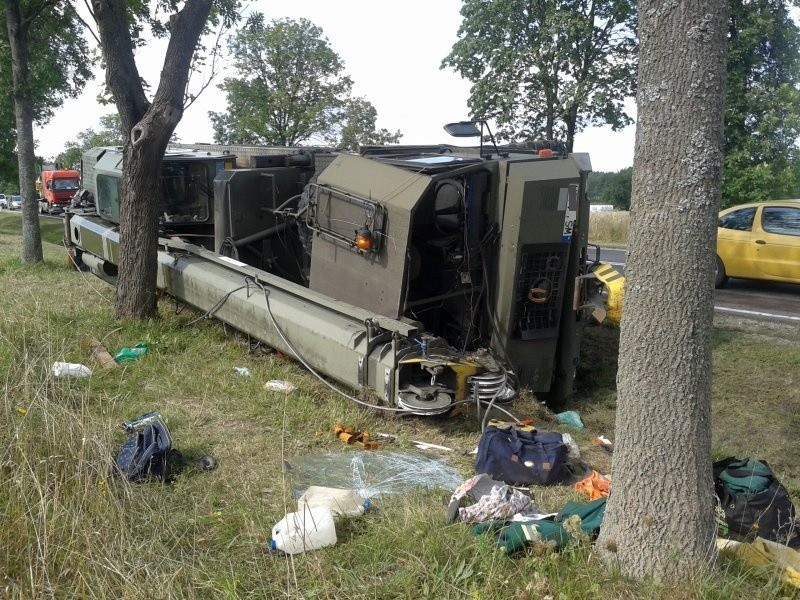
(420, 412)
(79, 270)
(211, 311)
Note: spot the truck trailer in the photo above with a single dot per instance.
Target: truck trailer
(424, 276)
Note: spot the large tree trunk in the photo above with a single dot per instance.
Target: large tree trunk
(147, 129)
(18, 40)
(659, 520)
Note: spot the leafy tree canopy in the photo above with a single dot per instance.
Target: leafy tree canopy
(359, 127)
(59, 64)
(611, 188)
(290, 88)
(762, 108)
(548, 68)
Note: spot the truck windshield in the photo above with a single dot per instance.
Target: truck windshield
(66, 184)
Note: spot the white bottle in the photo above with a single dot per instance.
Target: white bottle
(64, 369)
(304, 530)
(340, 501)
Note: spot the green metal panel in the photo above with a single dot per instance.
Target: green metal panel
(536, 225)
(375, 281)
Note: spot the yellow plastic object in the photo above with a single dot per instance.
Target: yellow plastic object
(761, 553)
(615, 289)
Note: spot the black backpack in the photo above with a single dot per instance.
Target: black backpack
(147, 453)
(755, 502)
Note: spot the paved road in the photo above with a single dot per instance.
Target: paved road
(778, 302)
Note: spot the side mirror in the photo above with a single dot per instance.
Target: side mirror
(463, 129)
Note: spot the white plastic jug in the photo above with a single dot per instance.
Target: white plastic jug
(340, 501)
(64, 369)
(304, 530)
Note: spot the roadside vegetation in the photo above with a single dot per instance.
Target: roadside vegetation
(609, 229)
(73, 529)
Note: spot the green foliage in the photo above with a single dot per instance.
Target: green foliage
(762, 111)
(549, 68)
(359, 127)
(289, 87)
(109, 135)
(611, 188)
(59, 60)
(59, 64)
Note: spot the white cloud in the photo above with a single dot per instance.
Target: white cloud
(392, 51)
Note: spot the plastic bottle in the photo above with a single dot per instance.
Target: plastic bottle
(65, 369)
(304, 530)
(131, 354)
(340, 501)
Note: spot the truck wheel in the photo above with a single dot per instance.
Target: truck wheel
(719, 274)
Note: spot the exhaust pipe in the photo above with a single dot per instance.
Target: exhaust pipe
(102, 269)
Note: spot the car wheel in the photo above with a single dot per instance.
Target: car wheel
(719, 274)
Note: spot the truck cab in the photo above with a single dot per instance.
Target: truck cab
(56, 189)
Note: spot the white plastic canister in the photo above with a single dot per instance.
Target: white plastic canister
(340, 501)
(304, 530)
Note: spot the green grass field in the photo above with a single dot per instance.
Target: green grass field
(71, 529)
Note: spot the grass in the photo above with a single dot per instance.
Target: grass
(609, 229)
(72, 529)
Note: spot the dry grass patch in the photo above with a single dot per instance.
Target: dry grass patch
(609, 228)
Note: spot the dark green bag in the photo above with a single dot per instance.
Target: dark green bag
(755, 503)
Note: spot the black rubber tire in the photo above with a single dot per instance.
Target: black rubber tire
(719, 274)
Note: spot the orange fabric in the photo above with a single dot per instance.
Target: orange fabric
(596, 485)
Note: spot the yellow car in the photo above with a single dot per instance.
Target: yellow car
(759, 241)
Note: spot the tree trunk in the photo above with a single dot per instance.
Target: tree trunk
(660, 515)
(147, 129)
(18, 40)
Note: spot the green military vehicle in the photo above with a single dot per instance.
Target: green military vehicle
(427, 275)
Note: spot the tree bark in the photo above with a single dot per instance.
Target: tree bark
(660, 515)
(147, 129)
(23, 111)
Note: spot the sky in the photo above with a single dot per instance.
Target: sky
(391, 50)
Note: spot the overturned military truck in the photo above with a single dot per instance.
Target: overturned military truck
(427, 275)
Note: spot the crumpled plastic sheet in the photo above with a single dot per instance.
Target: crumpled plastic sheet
(372, 474)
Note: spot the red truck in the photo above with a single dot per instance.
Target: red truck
(56, 189)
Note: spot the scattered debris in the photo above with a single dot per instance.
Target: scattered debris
(207, 463)
(131, 354)
(427, 446)
(596, 485)
(372, 474)
(65, 369)
(275, 385)
(243, 371)
(573, 452)
(140, 422)
(604, 443)
(101, 355)
(349, 435)
(570, 418)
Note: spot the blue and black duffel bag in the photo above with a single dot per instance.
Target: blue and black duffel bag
(521, 455)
